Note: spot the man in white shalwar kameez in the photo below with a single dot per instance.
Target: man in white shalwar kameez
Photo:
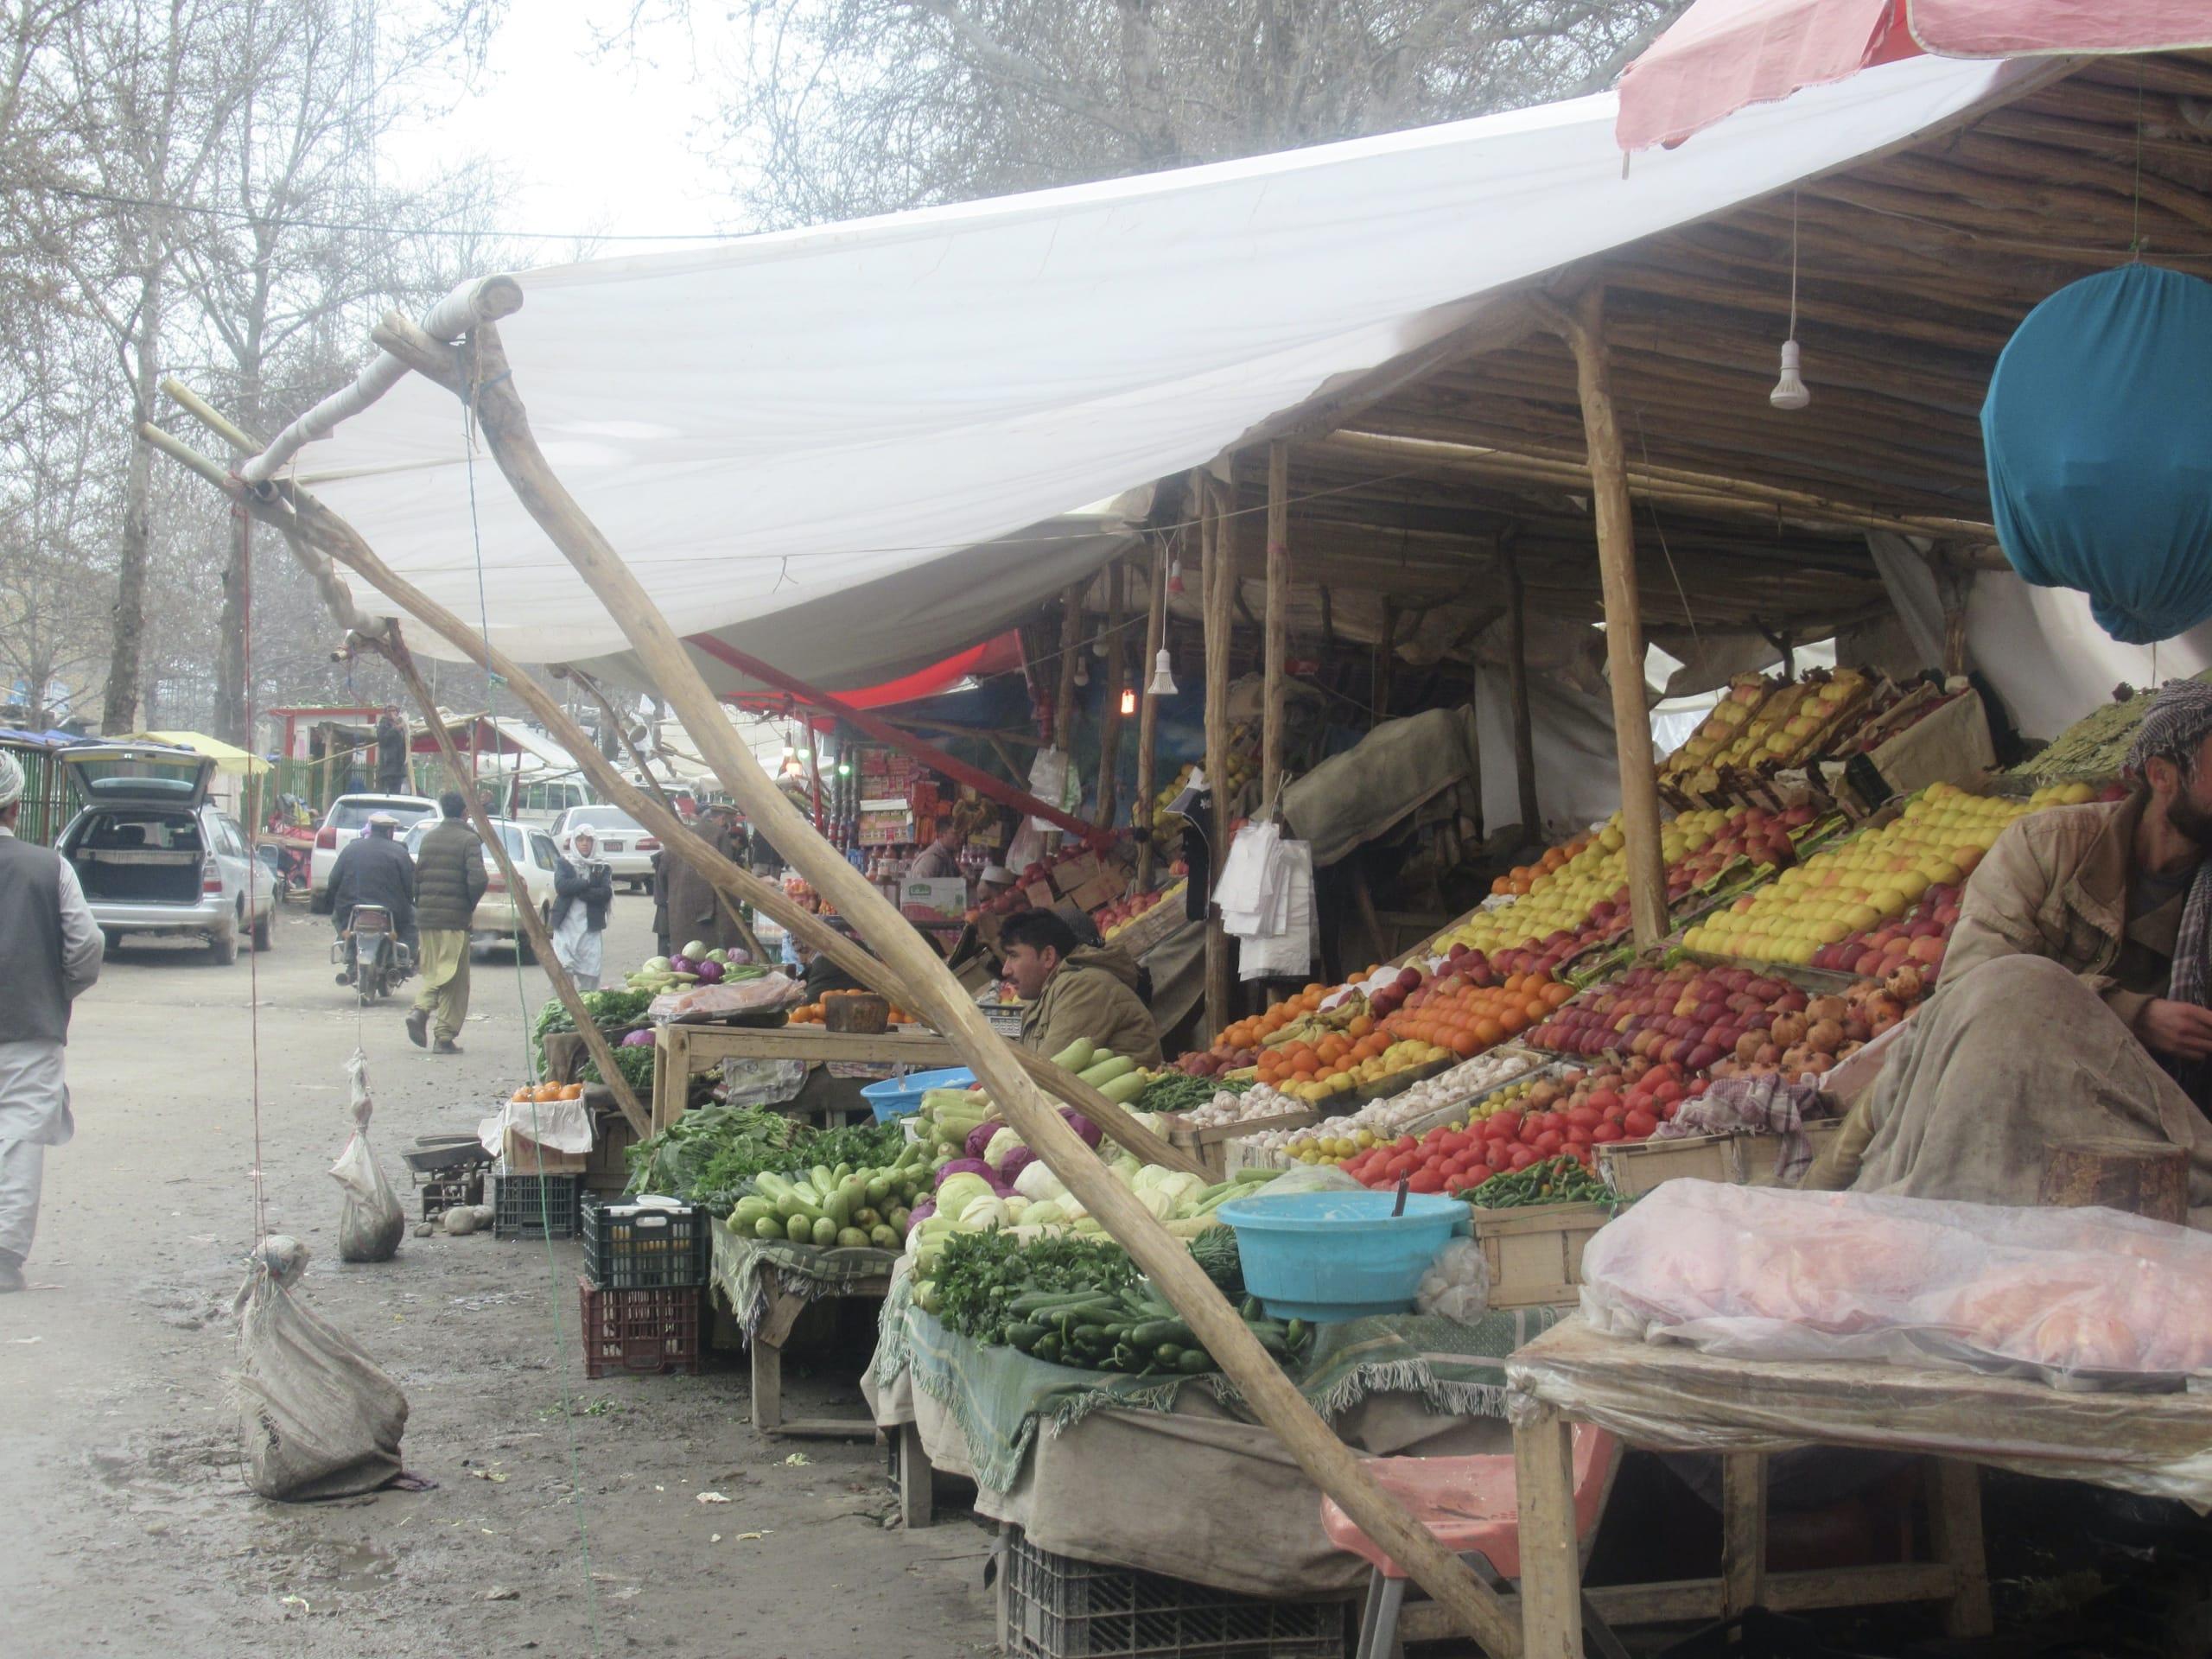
(50, 951)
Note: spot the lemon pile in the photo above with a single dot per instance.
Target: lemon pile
(1873, 878)
(1562, 899)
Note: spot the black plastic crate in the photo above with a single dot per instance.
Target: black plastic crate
(537, 1206)
(639, 1332)
(645, 1246)
(1057, 1607)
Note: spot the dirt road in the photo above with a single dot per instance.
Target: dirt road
(565, 1518)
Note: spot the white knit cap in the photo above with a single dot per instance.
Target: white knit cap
(11, 780)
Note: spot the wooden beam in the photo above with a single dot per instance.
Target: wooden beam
(1517, 670)
(1163, 1257)
(1156, 636)
(1070, 644)
(1218, 559)
(1109, 724)
(1585, 330)
(1277, 632)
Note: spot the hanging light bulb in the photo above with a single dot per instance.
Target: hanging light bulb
(1082, 671)
(1098, 643)
(1129, 700)
(1163, 677)
(1791, 392)
(844, 768)
(1175, 574)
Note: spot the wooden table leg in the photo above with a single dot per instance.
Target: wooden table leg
(1954, 1527)
(917, 1501)
(768, 1340)
(1742, 1531)
(671, 1074)
(1551, 1555)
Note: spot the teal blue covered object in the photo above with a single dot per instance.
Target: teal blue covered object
(2098, 430)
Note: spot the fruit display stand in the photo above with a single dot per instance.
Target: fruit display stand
(1739, 1158)
(680, 1050)
(766, 1286)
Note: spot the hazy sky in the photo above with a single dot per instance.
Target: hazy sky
(594, 143)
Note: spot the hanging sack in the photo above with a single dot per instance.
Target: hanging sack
(372, 1221)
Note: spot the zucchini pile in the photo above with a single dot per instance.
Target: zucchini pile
(838, 1205)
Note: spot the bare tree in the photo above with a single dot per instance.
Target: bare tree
(859, 106)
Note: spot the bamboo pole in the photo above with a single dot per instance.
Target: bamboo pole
(317, 536)
(1070, 644)
(1516, 668)
(1218, 584)
(394, 651)
(1277, 630)
(1163, 1257)
(606, 710)
(1109, 724)
(1584, 331)
(1155, 635)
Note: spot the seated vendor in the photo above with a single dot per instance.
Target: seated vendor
(2076, 996)
(1074, 991)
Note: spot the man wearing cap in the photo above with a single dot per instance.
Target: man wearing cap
(2076, 996)
(374, 869)
(50, 953)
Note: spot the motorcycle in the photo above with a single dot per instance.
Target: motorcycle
(375, 958)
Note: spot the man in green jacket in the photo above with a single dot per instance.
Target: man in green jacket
(1074, 992)
(449, 878)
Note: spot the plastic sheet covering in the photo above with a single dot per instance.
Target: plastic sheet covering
(2098, 431)
(2082, 1298)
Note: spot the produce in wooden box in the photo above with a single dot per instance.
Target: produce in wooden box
(1464, 1018)
(1764, 724)
(1115, 920)
(1873, 878)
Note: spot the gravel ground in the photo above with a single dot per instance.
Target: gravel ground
(564, 1519)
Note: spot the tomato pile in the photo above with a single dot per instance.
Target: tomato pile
(1583, 1110)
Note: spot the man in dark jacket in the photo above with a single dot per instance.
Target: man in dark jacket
(391, 753)
(374, 869)
(449, 878)
(698, 914)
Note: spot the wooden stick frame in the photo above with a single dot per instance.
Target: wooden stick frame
(490, 389)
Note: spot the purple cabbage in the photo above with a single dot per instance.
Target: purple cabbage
(1015, 1162)
(979, 1138)
(920, 1213)
(1082, 1126)
(710, 971)
(681, 966)
(964, 1167)
(642, 1038)
(1004, 1189)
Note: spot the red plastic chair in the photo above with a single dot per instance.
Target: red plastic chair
(1472, 1506)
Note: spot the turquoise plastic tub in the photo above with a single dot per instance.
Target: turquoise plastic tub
(898, 1097)
(1339, 1255)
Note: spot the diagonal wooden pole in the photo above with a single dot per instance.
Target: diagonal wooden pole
(502, 419)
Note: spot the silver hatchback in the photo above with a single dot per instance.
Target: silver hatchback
(154, 856)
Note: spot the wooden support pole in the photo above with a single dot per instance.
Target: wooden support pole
(1217, 558)
(1277, 630)
(1162, 1256)
(394, 651)
(1109, 724)
(1516, 668)
(1386, 663)
(1584, 327)
(1071, 643)
(1156, 636)
(317, 536)
(608, 712)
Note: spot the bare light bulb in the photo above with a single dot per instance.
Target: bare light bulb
(1163, 677)
(1129, 700)
(1789, 391)
(1082, 671)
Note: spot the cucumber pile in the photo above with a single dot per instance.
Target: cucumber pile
(1133, 1330)
(837, 1206)
(1115, 1076)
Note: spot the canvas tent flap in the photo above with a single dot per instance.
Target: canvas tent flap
(811, 425)
(1399, 767)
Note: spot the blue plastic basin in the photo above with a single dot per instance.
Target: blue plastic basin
(1339, 1255)
(897, 1096)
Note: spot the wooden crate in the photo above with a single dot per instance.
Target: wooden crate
(1758, 1150)
(1534, 1255)
(1210, 1145)
(1633, 1168)
(1148, 930)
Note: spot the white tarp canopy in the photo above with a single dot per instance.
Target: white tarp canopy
(826, 444)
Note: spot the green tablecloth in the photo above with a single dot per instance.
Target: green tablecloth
(743, 1267)
(999, 1395)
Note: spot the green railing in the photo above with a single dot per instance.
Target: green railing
(50, 800)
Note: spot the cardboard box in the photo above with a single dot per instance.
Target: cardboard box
(1071, 874)
(1095, 892)
(520, 1155)
(1040, 895)
(946, 895)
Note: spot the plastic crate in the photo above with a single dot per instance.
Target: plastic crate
(639, 1332)
(537, 1206)
(438, 1196)
(645, 1246)
(1056, 1608)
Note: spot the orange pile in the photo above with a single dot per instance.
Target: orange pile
(1251, 1034)
(1468, 1018)
(1331, 1057)
(809, 1014)
(1520, 880)
(547, 1092)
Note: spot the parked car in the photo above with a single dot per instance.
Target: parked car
(349, 816)
(154, 856)
(619, 842)
(535, 861)
(541, 801)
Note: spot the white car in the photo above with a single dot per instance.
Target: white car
(154, 857)
(348, 817)
(619, 842)
(535, 861)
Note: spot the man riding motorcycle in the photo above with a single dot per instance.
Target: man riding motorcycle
(373, 869)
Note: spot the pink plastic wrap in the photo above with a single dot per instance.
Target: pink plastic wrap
(2087, 1299)
(707, 1003)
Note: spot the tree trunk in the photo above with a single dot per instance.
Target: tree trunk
(119, 706)
(232, 693)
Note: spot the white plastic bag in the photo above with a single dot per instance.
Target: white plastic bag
(1456, 1284)
(2084, 1299)
(317, 1417)
(371, 1223)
